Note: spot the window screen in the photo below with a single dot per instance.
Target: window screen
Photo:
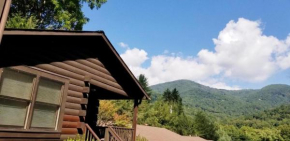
(16, 84)
(44, 116)
(15, 94)
(47, 103)
(12, 112)
(49, 91)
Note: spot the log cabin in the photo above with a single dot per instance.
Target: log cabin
(51, 83)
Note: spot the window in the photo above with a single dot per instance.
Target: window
(30, 99)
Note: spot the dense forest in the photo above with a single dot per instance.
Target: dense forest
(189, 108)
(226, 103)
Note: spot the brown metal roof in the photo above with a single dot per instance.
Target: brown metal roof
(34, 47)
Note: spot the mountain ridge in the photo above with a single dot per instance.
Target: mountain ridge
(221, 102)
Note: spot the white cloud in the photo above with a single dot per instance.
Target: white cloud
(242, 52)
(134, 57)
(123, 45)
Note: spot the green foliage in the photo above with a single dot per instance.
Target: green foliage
(16, 21)
(268, 125)
(106, 113)
(77, 138)
(218, 115)
(204, 126)
(165, 112)
(223, 135)
(226, 103)
(140, 138)
(114, 113)
(144, 83)
(285, 131)
(50, 14)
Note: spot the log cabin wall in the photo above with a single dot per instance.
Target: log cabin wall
(78, 56)
(78, 72)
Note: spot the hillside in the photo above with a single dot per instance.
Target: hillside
(270, 118)
(222, 103)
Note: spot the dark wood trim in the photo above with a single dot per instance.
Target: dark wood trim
(135, 116)
(30, 139)
(30, 135)
(31, 106)
(62, 106)
(90, 134)
(1, 71)
(52, 33)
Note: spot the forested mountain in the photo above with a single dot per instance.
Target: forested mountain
(231, 103)
(272, 125)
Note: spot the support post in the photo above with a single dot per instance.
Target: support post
(5, 7)
(134, 126)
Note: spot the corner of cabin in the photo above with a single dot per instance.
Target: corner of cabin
(61, 75)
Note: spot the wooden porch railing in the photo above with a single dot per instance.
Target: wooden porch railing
(126, 134)
(111, 135)
(90, 134)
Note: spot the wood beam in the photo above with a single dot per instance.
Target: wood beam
(134, 125)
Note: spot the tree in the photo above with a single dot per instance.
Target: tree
(167, 95)
(50, 14)
(106, 113)
(222, 135)
(144, 83)
(204, 127)
(110, 113)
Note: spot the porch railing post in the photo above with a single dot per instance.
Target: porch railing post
(3, 16)
(134, 126)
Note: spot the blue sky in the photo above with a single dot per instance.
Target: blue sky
(156, 33)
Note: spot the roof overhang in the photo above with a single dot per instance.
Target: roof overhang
(32, 47)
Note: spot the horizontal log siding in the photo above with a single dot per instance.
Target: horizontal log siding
(96, 61)
(69, 131)
(95, 74)
(73, 106)
(75, 112)
(71, 118)
(72, 122)
(67, 124)
(77, 72)
(78, 88)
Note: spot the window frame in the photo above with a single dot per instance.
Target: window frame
(29, 114)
